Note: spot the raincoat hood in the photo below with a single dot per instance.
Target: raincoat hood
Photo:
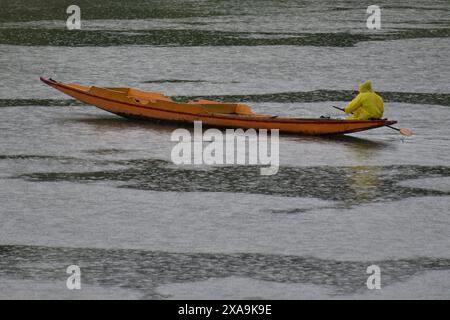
(366, 87)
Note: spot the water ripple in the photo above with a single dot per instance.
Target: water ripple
(146, 270)
(351, 185)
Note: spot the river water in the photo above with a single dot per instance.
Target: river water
(85, 187)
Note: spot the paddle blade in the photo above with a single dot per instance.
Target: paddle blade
(406, 132)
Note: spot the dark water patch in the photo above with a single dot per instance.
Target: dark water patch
(295, 211)
(342, 9)
(145, 271)
(30, 10)
(174, 81)
(167, 37)
(110, 151)
(188, 37)
(442, 99)
(33, 157)
(40, 102)
(185, 81)
(414, 33)
(350, 185)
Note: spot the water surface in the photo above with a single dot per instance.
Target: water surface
(81, 186)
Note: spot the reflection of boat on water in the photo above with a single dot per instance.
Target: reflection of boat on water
(365, 183)
(133, 103)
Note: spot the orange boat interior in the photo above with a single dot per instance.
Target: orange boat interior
(132, 95)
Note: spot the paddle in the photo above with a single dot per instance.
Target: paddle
(403, 131)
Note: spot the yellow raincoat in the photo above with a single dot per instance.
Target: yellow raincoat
(366, 105)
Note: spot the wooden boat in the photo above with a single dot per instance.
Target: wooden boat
(134, 103)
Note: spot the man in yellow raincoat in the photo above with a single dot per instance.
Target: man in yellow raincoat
(367, 104)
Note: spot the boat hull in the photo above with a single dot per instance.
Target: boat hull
(166, 111)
